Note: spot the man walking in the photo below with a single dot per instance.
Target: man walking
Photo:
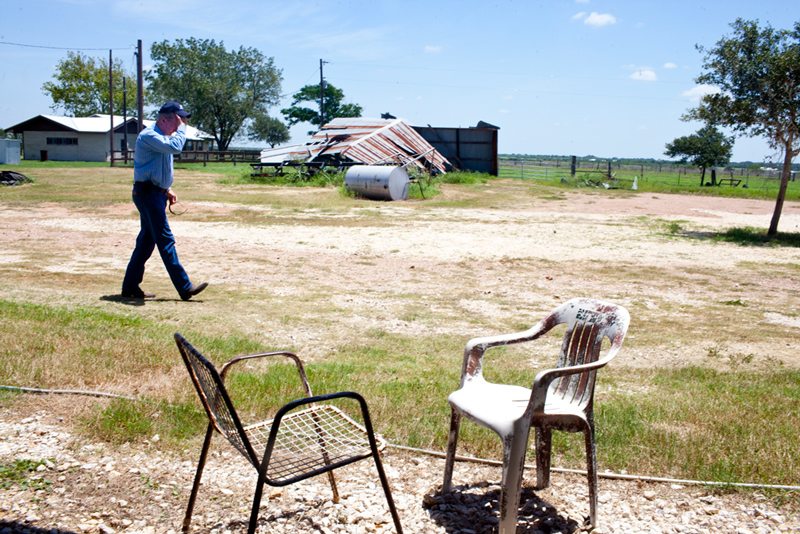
(152, 189)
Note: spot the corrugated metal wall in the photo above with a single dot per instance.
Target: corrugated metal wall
(468, 149)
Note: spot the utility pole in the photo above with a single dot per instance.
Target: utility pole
(321, 94)
(111, 107)
(125, 117)
(139, 88)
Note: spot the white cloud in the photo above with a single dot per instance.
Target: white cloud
(432, 49)
(644, 75)
(600, 19)
(582, 1)
(699, 91)
(579, 15)
(669, 65)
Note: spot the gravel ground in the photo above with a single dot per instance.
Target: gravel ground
(94, 487)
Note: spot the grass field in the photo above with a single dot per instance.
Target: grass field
(671, 180)
(392, 322)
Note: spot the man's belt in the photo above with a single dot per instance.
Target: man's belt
(149, 186)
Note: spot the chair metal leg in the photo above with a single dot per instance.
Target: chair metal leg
(251, 526)
(323, 447)
(514, 447)
(187, 519)
(452, 442)
(387, 491)
(376, 456)
(591, 473)
(544, 445)
(334, 489)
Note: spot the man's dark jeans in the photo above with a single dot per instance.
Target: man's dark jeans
(151, 202)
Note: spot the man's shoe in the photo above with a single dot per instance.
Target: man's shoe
(137, 294)
(194, 290)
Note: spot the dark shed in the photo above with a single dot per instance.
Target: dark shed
(468, 149)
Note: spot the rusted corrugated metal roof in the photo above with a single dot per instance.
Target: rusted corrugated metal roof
(363, 140)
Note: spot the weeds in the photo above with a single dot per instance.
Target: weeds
(758, 237)
(20, 473)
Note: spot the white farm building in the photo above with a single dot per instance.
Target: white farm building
(53, 137)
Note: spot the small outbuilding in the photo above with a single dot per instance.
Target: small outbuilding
(469, 149)
(53, 137)
(9, 151)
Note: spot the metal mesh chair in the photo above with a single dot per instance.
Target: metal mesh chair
(561, 398)
(305, 438)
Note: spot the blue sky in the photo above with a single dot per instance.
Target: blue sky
(609, 78)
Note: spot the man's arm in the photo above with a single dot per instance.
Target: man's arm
(167, 144)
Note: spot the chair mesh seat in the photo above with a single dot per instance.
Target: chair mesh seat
(311, 439)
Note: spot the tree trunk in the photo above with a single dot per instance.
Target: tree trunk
(785, 174)
(713, 176)
(702, 176)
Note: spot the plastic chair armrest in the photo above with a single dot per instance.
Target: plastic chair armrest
(476, 347)
(541, 384)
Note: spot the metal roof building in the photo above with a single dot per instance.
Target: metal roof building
(84, 138)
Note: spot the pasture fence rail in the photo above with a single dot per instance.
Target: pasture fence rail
(198, 156)
(595, 171)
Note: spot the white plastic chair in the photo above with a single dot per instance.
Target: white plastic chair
(561, 398)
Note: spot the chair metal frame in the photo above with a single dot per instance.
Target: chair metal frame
(560, 398)
(302, 425)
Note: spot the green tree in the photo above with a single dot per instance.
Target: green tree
(757, 72)
(269, 129)
(332, 102)
(222, 89)
(706, 148)
(80, 86)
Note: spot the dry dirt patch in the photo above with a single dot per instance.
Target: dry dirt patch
(335, 273)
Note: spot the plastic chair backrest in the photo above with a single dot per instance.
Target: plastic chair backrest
(589, 322)
(215, 399)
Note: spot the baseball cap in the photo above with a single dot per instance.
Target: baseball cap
(173, 106)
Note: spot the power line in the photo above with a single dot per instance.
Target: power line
(25, 45)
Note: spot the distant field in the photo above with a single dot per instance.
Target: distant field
(734, 182)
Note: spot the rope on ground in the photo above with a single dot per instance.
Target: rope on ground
(473, 459)
(67, 392)
(617, 476)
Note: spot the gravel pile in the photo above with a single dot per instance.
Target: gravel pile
(91, 487)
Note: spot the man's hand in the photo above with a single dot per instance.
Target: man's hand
(171, 196)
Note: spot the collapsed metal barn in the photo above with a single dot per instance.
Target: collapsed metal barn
(362, 141)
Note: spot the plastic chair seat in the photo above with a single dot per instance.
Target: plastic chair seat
(497, 406)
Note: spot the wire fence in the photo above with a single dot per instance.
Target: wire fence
(596, 172)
